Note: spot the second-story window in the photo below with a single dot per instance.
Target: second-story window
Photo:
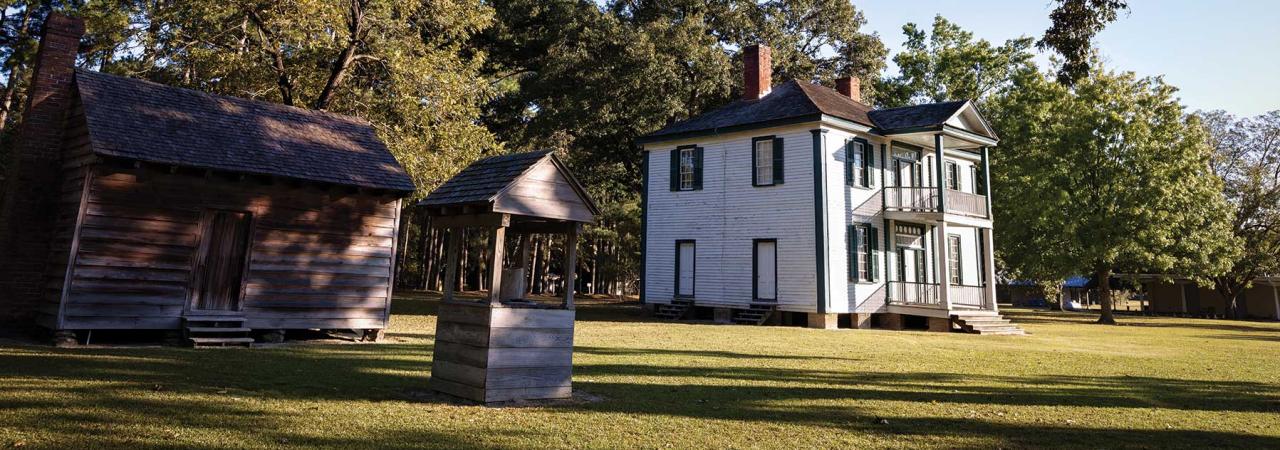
(857, 166)
(953, 176)
(686, 168)
(766, 161)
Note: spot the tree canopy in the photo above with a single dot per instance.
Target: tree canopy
(947, 63)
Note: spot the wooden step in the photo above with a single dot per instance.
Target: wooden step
(218, 330)
(220, 341)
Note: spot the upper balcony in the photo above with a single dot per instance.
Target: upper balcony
(917, 201)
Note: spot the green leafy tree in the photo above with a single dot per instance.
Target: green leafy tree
(949, 64)
(1247, 158)
(1110, 175)
(1075, 23)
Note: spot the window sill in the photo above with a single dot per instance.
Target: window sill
(766, 185)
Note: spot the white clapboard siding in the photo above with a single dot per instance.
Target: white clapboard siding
(727, 214)
(849, 205)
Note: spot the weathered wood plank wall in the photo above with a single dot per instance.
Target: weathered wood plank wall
(500, 354)
(77, 156)
(318, 258)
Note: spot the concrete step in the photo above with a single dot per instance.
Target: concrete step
(220, 330)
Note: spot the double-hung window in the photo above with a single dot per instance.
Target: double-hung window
(766, 161)
(953, 259)
(953, 176)
(686, 168)
(861, 239)
(857, 165)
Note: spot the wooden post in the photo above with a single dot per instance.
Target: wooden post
(570, 264)
(452, 243)
(989, 270)
(497, 248)
(942, 179)
(941, 253)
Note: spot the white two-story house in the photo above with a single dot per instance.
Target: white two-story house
(799, 204)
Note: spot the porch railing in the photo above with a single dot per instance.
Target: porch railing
(968, 296)
(911, 198)
(925, 199)
(961, 202)
(912, 293)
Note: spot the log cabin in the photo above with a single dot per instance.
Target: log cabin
(135, 205)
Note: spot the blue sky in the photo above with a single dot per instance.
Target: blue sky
(1221, 54)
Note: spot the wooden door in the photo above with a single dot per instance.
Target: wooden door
(221, 261)
(766, 270)
(685, 263)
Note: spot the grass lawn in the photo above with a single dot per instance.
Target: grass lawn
(1152, 383)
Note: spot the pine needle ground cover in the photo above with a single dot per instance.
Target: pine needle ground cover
(1152, 383)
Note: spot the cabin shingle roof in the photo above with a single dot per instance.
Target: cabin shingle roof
(795, 100)
(483, 180)
(141, 120)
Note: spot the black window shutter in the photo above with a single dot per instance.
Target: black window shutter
(874, 273)
(777, 160)
(852, 234)
(675, 170)
(697, 168)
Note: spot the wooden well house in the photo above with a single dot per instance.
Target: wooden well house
(507, 346)
(172, 209)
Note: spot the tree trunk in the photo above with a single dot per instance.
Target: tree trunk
(1104, 297)
(402, 245)
(15, 68)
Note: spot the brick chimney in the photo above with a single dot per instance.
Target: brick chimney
(32, 183)
(850, 87)
(757, 70)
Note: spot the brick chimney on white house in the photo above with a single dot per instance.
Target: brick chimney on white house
(757, 70)
(33, 179)
(850, 87)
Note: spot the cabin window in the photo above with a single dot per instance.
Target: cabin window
(861, 240)
(953, 176)
(953, 259)
(857, 167)
(766, 161)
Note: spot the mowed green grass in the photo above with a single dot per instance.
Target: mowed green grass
(1152, 383)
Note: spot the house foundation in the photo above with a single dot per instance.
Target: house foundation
(891, 321)
(939, 324)
(823, 321)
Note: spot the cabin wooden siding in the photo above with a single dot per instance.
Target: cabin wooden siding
(727, 214)
(318, 258)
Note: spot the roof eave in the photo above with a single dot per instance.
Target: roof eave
(649, 139)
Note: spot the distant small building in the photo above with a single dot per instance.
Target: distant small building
(134, 205)
(1183, 296)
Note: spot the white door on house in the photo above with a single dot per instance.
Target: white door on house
(766, 270)
(685, 258)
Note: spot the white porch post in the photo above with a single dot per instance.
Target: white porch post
(941, 255)
(941, 178)
(989, 269)
(890, 258)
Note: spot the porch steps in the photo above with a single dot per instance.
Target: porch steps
(674, 311)
(986, 324)
(216, 331)
(756, 314)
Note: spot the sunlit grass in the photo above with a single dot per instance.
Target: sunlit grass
(1152, 383)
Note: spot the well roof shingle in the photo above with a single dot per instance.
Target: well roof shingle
(482, 180)
(151, 122)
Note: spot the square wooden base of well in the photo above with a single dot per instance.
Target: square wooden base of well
(497, 354)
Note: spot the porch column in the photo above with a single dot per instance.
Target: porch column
(452, 245)
(989, 269)
(497, 250)
(890, 257)
(941, 178)
(986, 179)
(570, 263)
(940, 255)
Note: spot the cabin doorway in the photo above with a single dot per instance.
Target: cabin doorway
(766, 270)
(221, 261)
(686, 268)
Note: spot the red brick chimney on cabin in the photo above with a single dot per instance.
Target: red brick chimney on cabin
(850, 87)
(33, 181)
(757, 69)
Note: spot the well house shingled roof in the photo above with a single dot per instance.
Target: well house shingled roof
(483, 180)
(151, 122)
